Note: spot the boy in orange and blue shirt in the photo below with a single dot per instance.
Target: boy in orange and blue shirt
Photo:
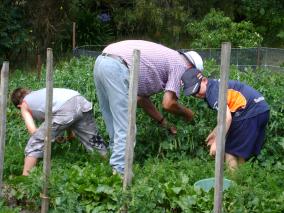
(246, 117)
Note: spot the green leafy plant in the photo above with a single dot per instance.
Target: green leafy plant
(165, 167)
(216, 28)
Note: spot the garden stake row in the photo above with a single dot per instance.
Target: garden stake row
(3, 111)
(132, 103)
(131, 133)
(74, 36)
(48, 120)
(38, 66)
(221, 126)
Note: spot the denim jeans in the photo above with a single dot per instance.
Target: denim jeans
(112, 83)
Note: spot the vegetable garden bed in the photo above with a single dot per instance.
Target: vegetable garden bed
(165, 167)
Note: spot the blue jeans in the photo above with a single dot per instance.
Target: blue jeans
(112, 83)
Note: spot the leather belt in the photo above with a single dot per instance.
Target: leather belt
(116, 57)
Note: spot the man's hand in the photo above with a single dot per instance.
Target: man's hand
(188, 114)
(170, 127)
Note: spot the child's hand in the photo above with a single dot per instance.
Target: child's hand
(211, 141)
(63, 139)
(71, 135)
(212, 151)
(211, 138)
(60, 139)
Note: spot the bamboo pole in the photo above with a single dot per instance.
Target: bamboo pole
(48, 121)
(74, 36)
(131, 130)
(221, 125)
(3, 111)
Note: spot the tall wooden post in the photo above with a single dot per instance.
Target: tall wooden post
(38, 66)
(258, 57)
(48, 121)
(3, 110)
(74, 36)
(221, 125)
(131, 130)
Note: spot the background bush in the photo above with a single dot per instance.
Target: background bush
(29, 27)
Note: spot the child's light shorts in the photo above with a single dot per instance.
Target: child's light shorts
(245, 138)
(76, 114)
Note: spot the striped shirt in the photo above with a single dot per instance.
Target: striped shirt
(161, 68)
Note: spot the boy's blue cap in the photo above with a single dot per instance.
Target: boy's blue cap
(191, 79)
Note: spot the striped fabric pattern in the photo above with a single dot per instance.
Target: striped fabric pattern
(161, 68)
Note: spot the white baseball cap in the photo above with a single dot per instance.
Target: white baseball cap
(195, 59)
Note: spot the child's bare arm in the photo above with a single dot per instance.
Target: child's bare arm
(212, 135)
(29, 121)
(211, 139)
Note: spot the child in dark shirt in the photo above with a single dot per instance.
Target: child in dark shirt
(246, 117)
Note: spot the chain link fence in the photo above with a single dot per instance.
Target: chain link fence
(243, 58)
(259, 57)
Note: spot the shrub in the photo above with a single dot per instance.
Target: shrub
(216, 28)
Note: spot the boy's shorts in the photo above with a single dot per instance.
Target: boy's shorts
(76, 115)
(245, 138)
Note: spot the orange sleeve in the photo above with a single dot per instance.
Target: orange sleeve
(235, 100)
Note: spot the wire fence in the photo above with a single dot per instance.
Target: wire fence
(259, 57)
(243, 58)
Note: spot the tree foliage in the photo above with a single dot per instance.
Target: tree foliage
(216, 28)
(157, 20)
(13, 33)
(93, 21)
(267, 17)
(29, 27)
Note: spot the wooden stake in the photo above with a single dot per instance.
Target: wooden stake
(74, 36)
(221, 125)
(131, 130)
(48, 122)
(3, 110)
(258, 57)
(38, 67)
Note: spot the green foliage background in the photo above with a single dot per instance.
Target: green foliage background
(165, 167)
(27, 28)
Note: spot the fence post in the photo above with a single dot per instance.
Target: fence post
(3, 111)
(221, 125)
(48, 120)
(265, 57)
(38, 67)
(258, 57)
(74, 36)
(131, 130)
